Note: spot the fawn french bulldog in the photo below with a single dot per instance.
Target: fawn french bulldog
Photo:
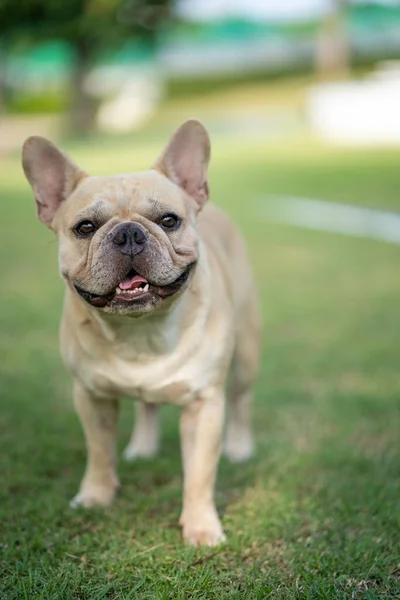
(160, 306)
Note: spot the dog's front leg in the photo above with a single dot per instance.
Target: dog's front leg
(99, 421)
(201, 432)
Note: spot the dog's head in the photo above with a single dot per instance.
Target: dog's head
(127, 243)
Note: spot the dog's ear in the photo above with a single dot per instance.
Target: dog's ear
(52, 175)
(185, 160)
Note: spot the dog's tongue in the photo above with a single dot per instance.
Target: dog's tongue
(132, 282)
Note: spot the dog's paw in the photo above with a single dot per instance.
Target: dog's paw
(238, 450)
(134, 451)
(202, 528)
(91, 496)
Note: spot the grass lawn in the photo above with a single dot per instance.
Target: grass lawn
(316, 513)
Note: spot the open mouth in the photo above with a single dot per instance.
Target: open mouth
(135, 289)
(133, 286)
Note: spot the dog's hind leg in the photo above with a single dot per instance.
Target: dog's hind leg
(144, 440)
(239, 438)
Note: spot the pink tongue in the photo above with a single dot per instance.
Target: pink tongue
(130, 283)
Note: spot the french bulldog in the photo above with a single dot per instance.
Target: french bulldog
(160, 306)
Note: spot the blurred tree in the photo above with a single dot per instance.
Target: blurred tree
(15, 19)
(92, 25)
(88, 26)
(332, 47)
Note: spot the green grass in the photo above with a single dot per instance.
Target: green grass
(316, 513)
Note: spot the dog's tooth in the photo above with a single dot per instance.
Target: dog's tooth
(117, 291)
(146, 288)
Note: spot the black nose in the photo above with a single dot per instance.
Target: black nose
(130, 237)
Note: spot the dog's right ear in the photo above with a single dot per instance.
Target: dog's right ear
(52, 175)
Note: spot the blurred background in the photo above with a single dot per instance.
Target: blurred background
(117, 66)
(302, 102)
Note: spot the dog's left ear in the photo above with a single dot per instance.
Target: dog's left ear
(185, 160)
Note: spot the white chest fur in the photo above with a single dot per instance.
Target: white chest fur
(155, 361)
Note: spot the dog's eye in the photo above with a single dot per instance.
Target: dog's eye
(85, 227)
(169, 221)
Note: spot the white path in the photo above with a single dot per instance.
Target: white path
(330, 216)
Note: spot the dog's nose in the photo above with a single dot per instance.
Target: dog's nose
(130, 237)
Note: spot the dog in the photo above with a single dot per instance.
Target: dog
(160, 306)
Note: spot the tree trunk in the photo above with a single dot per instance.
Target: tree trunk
(332, 50)
(83, 109)
(3, 83)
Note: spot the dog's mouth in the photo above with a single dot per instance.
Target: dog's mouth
(135, 289)
(133, 285)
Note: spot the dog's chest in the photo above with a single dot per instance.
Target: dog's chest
(122, 378)
(165, 364)
(176, 378)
